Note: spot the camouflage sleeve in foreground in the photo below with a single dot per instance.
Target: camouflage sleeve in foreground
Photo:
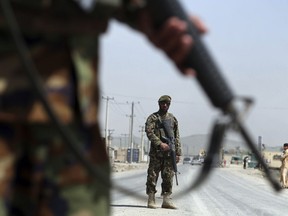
(177, 138)
(152, 130)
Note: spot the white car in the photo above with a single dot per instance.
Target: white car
(196, 162)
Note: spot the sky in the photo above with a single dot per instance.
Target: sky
(247, 39)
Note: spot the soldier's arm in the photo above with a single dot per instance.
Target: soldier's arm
(177, 138)
(171, 37)
(285, 161)
(150, 130)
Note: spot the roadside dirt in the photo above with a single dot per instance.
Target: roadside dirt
(122, 167)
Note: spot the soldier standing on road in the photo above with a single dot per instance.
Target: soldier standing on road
(160, 159)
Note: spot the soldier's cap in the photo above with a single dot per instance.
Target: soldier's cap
(166, 98)
(285, 145)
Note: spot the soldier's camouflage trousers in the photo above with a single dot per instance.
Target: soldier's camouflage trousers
(40, 176)
(156, 165)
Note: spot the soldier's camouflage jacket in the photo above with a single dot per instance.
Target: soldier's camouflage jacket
(38, 173)
(154, 132)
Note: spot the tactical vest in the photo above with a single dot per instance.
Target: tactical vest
(169, 121)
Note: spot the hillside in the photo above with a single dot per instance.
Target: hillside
(191, 145)
(195, 143)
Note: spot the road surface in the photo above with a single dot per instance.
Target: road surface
(228, 191)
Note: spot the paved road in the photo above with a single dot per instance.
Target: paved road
(229, 191)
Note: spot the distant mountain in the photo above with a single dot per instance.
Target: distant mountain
(274, 148)
(193, 144)
(190, 144)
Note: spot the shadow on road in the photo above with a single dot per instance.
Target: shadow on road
(129, 206)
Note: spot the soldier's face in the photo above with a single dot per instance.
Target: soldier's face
(164, 105)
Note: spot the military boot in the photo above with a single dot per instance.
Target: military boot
(167, 202)
(151, 201)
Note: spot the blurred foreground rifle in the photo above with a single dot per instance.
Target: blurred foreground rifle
(213, 84)
(170, 140)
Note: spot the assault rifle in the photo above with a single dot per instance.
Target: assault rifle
(170, 140)
(213, 84)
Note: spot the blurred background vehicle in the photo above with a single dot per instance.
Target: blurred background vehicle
(196, 161)
(187, 160)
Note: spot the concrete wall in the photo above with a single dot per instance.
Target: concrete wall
(272, 162)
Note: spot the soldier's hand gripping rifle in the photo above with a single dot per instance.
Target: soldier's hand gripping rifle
(212, 82)
(170, 140)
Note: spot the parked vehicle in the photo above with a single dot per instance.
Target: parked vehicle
(187, 160)
(196, 162)
(236, 160)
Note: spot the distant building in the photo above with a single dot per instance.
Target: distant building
(273, 158)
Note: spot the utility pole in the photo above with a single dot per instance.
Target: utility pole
(131, 131)
(110, 131)
(260, 149)
(106, 120)
(125, 139)
(260, 143)
(110, 149)
(142, 143)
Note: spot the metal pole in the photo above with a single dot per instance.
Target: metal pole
(142, 143)
(131, 132)
(260, 143)
(106, 120)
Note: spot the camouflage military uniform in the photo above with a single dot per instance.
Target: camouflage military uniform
(38, 173)
(160, 161)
